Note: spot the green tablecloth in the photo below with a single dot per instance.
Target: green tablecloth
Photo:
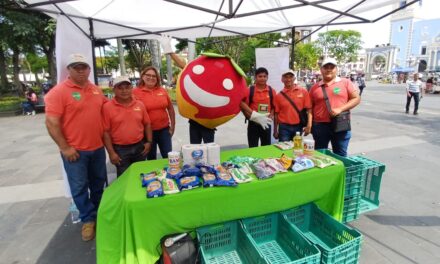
(130, 225)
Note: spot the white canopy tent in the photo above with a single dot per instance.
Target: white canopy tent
(191, 19)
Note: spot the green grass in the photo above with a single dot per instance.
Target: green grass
(10, 103)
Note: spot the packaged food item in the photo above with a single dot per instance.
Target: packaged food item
(224, 178)
(302, 163)
(286, 161)
(245, 168)
(262, 171)
(154, 189)
(284, 145)
(189, 170)
(239, 176)
(298, 145)
(174, 173)
(169, 186)
(240, 159)
(148, 177)
(209, 179)
(188, 182)
(174, 159)
(309, 146)
(321, 161)
(274, 164)
(229, 165)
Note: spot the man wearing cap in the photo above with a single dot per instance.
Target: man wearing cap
(342, 96)
(414, 89)
(127, 128)
(73, 120)
(287, 120)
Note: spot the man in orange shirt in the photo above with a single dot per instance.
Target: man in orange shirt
(73, 120)
(126, 126)
(287, 120)
(342, 96)
(260, 99)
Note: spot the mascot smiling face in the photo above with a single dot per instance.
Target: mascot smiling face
(210, 89)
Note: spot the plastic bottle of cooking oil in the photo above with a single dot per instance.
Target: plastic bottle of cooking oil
(298, 148)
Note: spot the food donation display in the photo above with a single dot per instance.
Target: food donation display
(193, 169)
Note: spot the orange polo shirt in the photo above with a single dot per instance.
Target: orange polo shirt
(338, 94)
(285, 111)
(261, 99)
(125, 123)
(156, 102)
(79, 110)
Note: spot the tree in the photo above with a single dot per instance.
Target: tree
(37, 64)
(306, 56)
(138, 53)
(341, 44)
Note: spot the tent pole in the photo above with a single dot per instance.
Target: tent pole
(92, 40)
(292, 54)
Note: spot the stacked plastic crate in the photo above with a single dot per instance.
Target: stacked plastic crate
(353, 184)
(372, 178)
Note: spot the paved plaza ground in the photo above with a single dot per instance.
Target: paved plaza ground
(35, 224)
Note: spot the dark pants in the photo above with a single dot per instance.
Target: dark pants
(323, 134)
(161, 138)
(416, 101)
(197, 133)
(28, 107)
(256, 133)
(129, 154)
(361, 89)
(86, 178)
(286, 132)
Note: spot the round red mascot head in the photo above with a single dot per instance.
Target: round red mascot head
(210, 89)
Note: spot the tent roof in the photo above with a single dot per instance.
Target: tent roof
(204, 18)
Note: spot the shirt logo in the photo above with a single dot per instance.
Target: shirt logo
(160, 94)
(137, 108)
(300, 96)
(76, 96)
(336, 90)
(95, 91)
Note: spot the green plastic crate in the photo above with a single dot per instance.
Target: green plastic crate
(227, 243)
(352, 208)
(279, 242)
(370, 188)
(337, 242)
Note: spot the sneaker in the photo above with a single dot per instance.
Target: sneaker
(415, 113)
(33, 112)
(406, 112)
(88, 231)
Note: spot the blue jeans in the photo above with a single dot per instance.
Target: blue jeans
(286, 132)
(416, 101)
(129, 154)
(323, 134)
(161, 137)
(86, 178)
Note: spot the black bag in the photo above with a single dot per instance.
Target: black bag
(341, 122)
(303, 116)
(182, 251)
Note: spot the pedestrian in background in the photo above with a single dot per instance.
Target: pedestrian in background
(414, 89)
(287, 119)
(127, 128)
(361, 83)
(160, 110)
(32, 99)
(73, 120)
(342, 96)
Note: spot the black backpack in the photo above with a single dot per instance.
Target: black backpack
(251, 95)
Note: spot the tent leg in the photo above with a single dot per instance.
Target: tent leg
(292, 54)
(92, 40)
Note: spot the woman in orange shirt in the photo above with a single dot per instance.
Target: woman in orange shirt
(159, 108)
